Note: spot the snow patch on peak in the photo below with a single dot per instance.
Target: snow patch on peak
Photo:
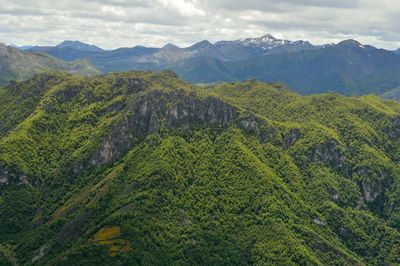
(268, 37)
(266, 41)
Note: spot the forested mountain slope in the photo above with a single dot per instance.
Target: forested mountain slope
(17, 65)
(143, 168)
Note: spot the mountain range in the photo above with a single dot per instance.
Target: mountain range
(170, 53)
(142, 168)
(348, 67)
(68, 50)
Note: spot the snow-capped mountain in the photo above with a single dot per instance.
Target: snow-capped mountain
(268, 44)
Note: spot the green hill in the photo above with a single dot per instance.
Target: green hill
(142, 168)
(21, 65)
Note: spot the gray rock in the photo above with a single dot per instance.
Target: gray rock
(8, 177)
(291, 137)
(176, 109)
(330, 154)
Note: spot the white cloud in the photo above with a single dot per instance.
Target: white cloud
(115, 23)
(185, 7)
(113, 10)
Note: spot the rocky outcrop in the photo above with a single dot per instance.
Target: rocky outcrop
(176, 109)
(371, 192)
(65, 94)
(329, 154)
(372, 188)
(132, 85)
(251, 123)
(40, 253)
(291, 137)
(116, 107)
(8, 177)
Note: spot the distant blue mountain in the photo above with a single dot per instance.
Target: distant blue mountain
(77, 45)
(348, 67)
(68, 50)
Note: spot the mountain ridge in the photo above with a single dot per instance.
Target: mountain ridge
(241, 173)
(79, 46)
(69, 50)
(348, 67)
(17, 65)
(251, 47)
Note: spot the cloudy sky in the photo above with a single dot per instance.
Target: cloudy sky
(117, 23)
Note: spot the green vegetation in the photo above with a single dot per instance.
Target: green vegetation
(142, 168)
(21, 65)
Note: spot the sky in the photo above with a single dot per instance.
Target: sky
(126, 23)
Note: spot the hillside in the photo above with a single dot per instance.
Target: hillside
(142, 168)
(19, 65)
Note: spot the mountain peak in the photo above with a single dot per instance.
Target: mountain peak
(200, 45)
(266, 42)
(350, 42)
(79, 46)
(6, 49)
(170, 46)
(268, 37)
(70, 43)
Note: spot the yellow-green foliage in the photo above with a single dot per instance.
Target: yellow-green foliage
(316, 183)
(109, 237)
(107, 233)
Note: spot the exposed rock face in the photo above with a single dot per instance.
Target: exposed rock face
(251, 123)
(112, 108)
(4, 176)
(319, 222)
(371, 189)
(331, 155)
(7, 178)
(291, 137)
(42, 252)
(371, 192)
(176, 109)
